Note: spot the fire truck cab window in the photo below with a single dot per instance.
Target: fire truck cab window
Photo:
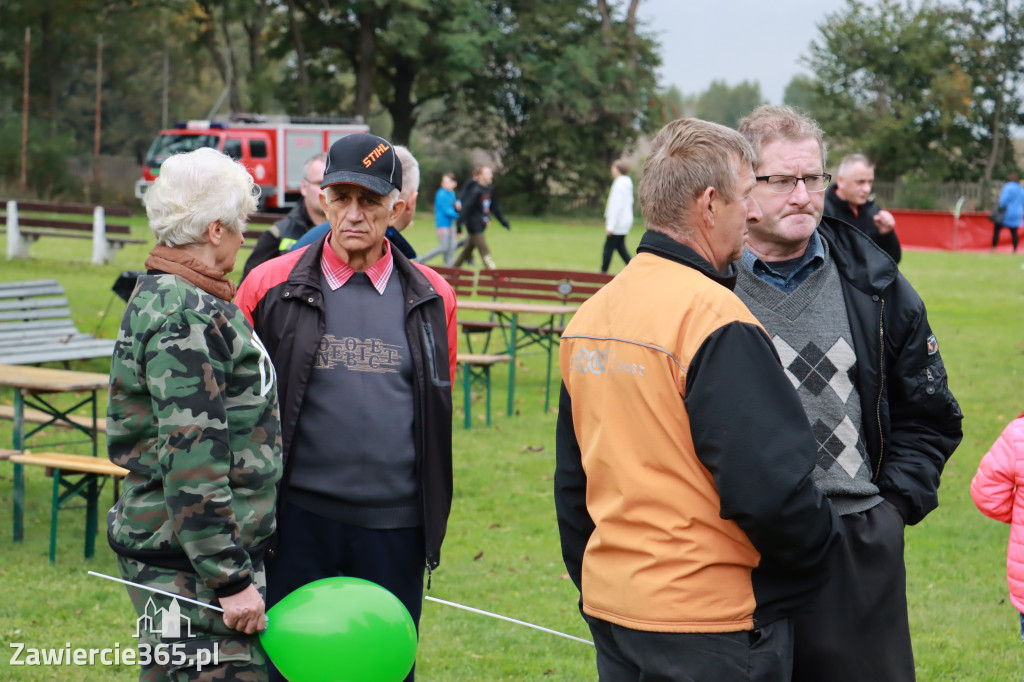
(233, 148)
(258, 149)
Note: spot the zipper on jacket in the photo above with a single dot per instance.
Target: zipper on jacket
(881, 387)
(430, 574)
(431, 350)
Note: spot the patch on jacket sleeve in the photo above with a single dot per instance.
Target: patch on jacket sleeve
(933, 345)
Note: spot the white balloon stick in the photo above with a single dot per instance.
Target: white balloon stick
(510, 620)
(153, 589)
(433, 599)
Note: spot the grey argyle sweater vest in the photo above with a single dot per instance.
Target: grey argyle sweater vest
(811, 332)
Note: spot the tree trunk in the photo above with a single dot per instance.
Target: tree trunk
(233, 76)
(364, 65)
(300, 54)
(402, 108)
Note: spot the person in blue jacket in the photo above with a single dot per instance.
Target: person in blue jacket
(1011, 200)
(446, 212)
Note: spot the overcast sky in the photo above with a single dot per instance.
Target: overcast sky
(734, 40)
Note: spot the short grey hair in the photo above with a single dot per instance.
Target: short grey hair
(195, 189)
(852, 160)
(770, 123)
(410, 171)
(688, 156)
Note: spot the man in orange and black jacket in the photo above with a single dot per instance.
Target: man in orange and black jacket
(687, 515)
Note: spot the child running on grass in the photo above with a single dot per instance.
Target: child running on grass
(998, 491)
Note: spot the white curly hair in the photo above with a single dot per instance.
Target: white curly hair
(195, 189)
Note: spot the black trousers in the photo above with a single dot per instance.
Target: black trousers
(858, 629)
(313, 547)
(613, 243)
(625, 655)
(1013, 235)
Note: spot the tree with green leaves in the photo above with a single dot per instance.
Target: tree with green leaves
(926, 91)
(726, 104)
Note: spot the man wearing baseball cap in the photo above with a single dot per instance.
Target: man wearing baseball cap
(364, 345)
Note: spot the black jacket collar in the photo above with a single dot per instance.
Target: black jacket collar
(662, 245)
(860, 261)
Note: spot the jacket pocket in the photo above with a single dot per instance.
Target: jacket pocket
(437, 378)
(930, 389)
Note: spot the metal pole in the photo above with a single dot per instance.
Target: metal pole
(24, 114)
(166, 85)
(99, 112)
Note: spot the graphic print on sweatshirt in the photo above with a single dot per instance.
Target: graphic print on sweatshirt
(358, 355)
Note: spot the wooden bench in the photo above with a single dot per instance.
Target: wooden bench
(566, 287)
(73, 221)
(78, 476)
(36, 326)
(461, 280)
(477, 368)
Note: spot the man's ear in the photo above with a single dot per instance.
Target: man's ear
(396, 210)
(707, 205)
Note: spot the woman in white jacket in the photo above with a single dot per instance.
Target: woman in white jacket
(618, 214)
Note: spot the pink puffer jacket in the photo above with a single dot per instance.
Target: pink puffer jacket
(998, 491)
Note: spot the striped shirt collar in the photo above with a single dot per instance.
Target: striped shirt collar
(337, 271)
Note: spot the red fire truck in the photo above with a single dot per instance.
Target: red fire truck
(274, 149)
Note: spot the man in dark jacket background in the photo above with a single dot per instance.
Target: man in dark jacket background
(850, 201)
(283, 234)
(854, 339)
(478, 204)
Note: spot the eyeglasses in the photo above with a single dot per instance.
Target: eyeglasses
(784, 184)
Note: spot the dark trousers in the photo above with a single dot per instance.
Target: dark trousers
(625, 655)
(613, 243)
(1013, 236)
(312, 547)
(858, 629)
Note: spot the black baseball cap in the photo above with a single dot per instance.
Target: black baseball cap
(365, 160)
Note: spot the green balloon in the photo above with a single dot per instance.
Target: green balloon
(340, 630)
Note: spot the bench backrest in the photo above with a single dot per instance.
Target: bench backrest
(75, 209)
(555, 286)
(460, 279)
(36, 326)
(83, 224)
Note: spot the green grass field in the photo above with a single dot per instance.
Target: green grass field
(502, 551)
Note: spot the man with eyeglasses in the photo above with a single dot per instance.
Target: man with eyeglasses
(854, 339)
(850, 201)
(283, 234)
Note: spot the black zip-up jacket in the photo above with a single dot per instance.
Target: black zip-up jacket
(289, 319)
(912, 422)
(863, 220)
(478, 202)
(280, 237)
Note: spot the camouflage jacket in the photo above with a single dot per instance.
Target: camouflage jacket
(193, 415)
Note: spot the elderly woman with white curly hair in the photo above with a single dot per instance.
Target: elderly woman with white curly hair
(193, 416)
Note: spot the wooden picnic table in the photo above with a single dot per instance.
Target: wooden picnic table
(544, 334)
(30, 385)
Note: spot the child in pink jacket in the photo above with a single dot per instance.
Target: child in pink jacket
(998, 491)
